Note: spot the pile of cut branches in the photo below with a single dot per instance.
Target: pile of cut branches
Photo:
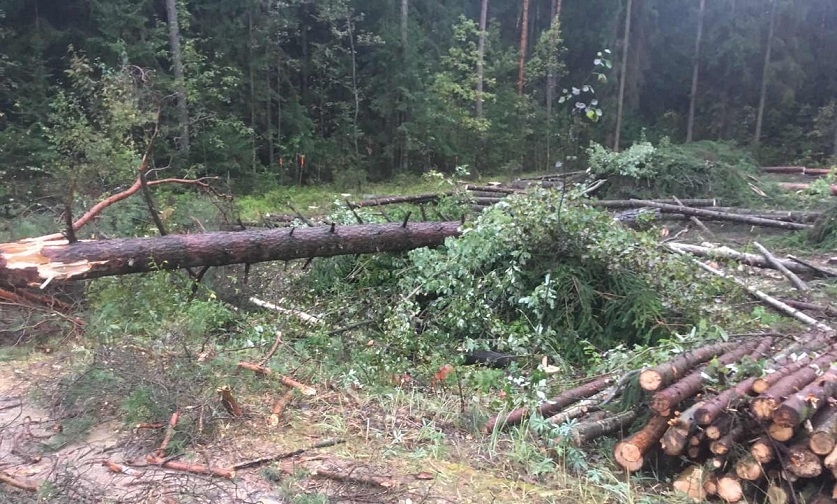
(749, 416)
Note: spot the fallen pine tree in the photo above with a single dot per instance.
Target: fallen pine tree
(38, 261)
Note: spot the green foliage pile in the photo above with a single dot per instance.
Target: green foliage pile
(700, 169)
(537, 274)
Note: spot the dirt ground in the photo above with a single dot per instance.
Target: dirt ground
(380, 460)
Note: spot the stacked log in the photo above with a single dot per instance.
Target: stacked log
(770, 429)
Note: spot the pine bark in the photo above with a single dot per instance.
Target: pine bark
(665, 400)
(177, 67)
(550, 407)
(730, 398)
(802, 405)
(695, 74)
(662, 375)
(630, 453)
(823, 439)
(764, 405)
(35, 262)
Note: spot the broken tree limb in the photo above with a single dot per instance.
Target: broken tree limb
(551, 406)
(823, 271)
(96, 209)
(14, 482)
(694, 220)
(38, 261)
(795, 280)
(191, 468)
(662, 375)
(301, 315)
(743, 219)
(775, 303)
(395, 200)
(802, 305)
(630, 453)
(287, 381)
(734, 255)
(271, 458)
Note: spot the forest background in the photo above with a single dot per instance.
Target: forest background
(267, 93)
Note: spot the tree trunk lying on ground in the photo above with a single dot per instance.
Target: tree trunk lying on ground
(744, 258)
(815, 172)
(794, 186)
(36, 262)
(743, 219)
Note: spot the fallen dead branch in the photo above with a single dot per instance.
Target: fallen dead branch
(550, 407)
(161, 451)
(14, 482)
(301, 315)
(773, 302)
(743, 219)
(279, 407)
(720, 253)
(190, 468)
(352, 477)
(795, 280)
(287, 381)
(121, 469)
(272, 458)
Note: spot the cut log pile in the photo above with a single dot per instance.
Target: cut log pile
(736, 427)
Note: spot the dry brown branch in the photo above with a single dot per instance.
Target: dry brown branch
(795, 280)
(279, 407)
(190, 468)
(161, 451)
(121, 469)
(271, 458)
(552, 406)
(287, 381)
(273, 349)
(361, 479)
(96, 209)
(229, 402)
(23, 485)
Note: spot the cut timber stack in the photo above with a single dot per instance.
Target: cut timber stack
(769, 430)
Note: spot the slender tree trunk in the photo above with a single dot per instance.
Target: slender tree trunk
(624, 68)
(551, 77)
(524, 37)
(481, 56)
(834, 151)
(690, 126)
(355, 92)
(271, 155)
(403, 116)
(765, 74)
(405, 9)
(177, 64)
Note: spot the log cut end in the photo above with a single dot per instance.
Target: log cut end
(690, 482)
(804, 463)
(628, 456)
(650, 380)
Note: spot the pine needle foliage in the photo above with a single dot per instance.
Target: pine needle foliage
(539, 274)
(696, 170)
